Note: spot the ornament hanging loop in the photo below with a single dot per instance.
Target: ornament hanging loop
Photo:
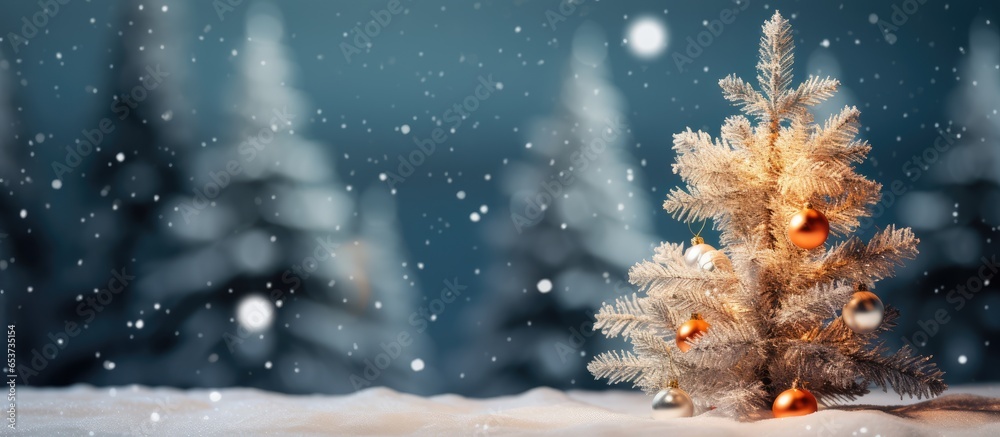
(697, 235)
(702, 228)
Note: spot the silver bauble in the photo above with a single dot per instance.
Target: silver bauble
(672, 403)
(714, 259)
(697, 249)
(864, 312)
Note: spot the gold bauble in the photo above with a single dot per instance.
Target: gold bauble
(794, 402)
(691, 330)
(808, 228)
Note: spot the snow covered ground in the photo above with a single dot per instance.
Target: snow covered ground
(85, 410)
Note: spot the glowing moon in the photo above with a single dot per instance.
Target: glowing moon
(647, 37)
(255, 313)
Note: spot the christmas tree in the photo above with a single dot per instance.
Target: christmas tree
(578, 213)
(766, 305)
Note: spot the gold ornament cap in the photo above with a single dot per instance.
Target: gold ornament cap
(673, 384)
(697, 240)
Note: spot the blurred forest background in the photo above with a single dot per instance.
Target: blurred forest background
(213, 193)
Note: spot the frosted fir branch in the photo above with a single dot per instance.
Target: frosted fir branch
(742, 398)
(621, 367)
(625, 316)
(837, 333)
(674, 280)
(668, 317)
(795, 137)
(806, 178)
(853, 260)
(809, 93)
(671, 277)
(836, 353)
(716, 167)
(859, 194)
(837, 132)
(775, 65)
(738, 132)
(845, 213)
(649, 343)
(669, 254)
(889, 322)
(846, 210)
(691, 301)
(817, 361)
(907, 374)
(689, 141)
(698, 205)
(725, 346)
(742, 95)
(707, 302)
(855, 152)
(833, 392)
(813, 305)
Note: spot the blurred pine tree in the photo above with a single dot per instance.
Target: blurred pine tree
(579, 216)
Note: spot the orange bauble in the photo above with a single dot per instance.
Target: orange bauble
(794, 402)
(691, 330)
(809, 228)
